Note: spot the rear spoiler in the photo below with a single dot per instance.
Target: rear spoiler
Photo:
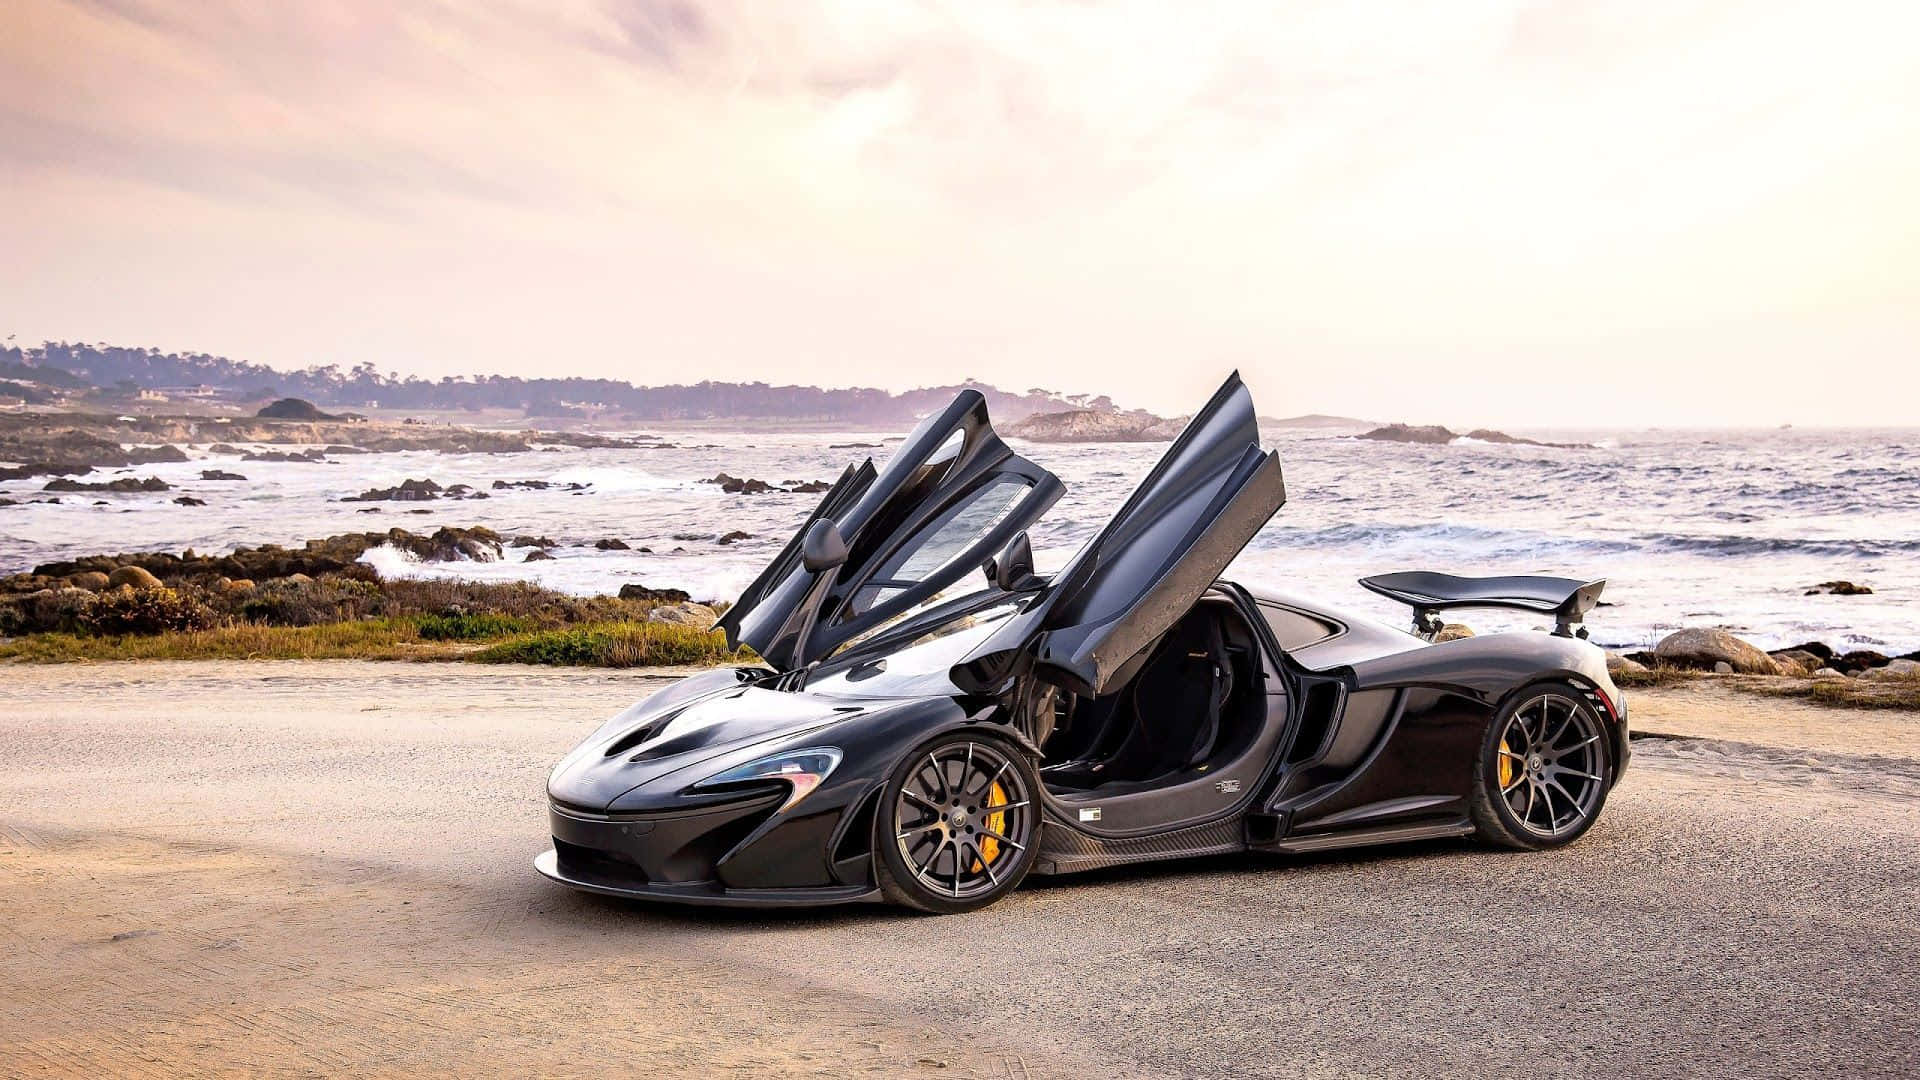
(1567, 599)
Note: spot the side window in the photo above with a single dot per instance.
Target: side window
(1296, 629)
(946, 538)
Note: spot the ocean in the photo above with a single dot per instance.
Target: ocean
(1721, 527)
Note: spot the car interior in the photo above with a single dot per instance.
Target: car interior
(1195, 703)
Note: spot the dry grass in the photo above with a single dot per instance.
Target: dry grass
(371, 639)
(1856, 693)
(1657, 675)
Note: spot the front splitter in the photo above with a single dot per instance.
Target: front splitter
(707, 893)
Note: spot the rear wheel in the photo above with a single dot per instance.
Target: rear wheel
(956, 824)
(1543, 771)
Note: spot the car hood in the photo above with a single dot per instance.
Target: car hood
(701, 719)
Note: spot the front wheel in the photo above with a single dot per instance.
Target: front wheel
(1543, 772)
(956, 824)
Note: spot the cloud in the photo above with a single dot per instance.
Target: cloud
(906, 192)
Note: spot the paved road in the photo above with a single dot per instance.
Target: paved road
(300, 868)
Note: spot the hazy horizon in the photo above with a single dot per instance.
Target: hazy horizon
(1500, 213)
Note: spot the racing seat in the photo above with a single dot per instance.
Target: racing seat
(1168, 718)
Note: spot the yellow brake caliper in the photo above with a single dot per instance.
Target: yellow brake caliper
(1506, 766)
(990, 846)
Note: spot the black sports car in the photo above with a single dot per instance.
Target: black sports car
(904, 744)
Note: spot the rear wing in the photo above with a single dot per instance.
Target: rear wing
(1567, 599)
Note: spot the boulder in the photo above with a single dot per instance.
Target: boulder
(1816, 648)
(1858, 660)
(809, 487)
(407, 491)
(91, 580)
(1453, 632)
(1429, 435)
(611, 544)
(684, 613)
(1895, 669)
(1721, 667)
(1794, 665)
(734, 536)
(1702, 647)
(148, 455)
(636, 591)
(1828, 673)
(1839, 588)
(188, 500)
(299, 579)
(1618, 665)
(132, 576)
(219, 474)
(524, 540)
(1798, 661)
(537, 555)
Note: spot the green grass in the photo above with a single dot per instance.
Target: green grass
(471, 627)
(611, 644)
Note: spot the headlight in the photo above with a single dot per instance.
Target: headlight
(802, 769)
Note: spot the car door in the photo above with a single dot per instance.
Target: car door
(949, 498)
(1212, 491)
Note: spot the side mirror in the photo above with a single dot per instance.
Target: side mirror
(1013, 567)
(823, 548)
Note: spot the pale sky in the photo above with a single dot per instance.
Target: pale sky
(1475, 211)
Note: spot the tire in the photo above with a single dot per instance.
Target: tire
(937, 847)
(1544, 769)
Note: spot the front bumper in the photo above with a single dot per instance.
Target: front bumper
(722, 853)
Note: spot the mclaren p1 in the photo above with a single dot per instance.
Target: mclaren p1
(931, 720)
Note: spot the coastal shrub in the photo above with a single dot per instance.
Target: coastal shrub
(463, 626)
(301, 601)
(620, 644)
(44, 611)
(155, 609)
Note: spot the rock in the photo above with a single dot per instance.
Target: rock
(407, 491)
(293, 408)
(634, 591)
(735, 485)
(684, 613)
(219, 474)
(1827, 673)
(537, 555)
(1721, 667)
(1839, 588)
(1618, 665)
(1895, 669)
(1858, 660)
(223, 448)
(1428, 435)
(1094, 425)
(810, 487)
(1801, 657)
(1701, 648)
(854, 446)
(124, 484)
(240, 585)
(91, 580)
(313, 456)
(611, 544)
(188, 500)
(1794, 665)
(337, 449)
(133, 577)
(524, 540)
(734, 536)
(149, 455)
(299, 579)
(368, 510)
(1453, 632)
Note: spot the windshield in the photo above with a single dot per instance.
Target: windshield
(921, 666)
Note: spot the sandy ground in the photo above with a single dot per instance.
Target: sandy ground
(323, 868)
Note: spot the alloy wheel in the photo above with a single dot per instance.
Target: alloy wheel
(964, 813)
(1552, 766)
